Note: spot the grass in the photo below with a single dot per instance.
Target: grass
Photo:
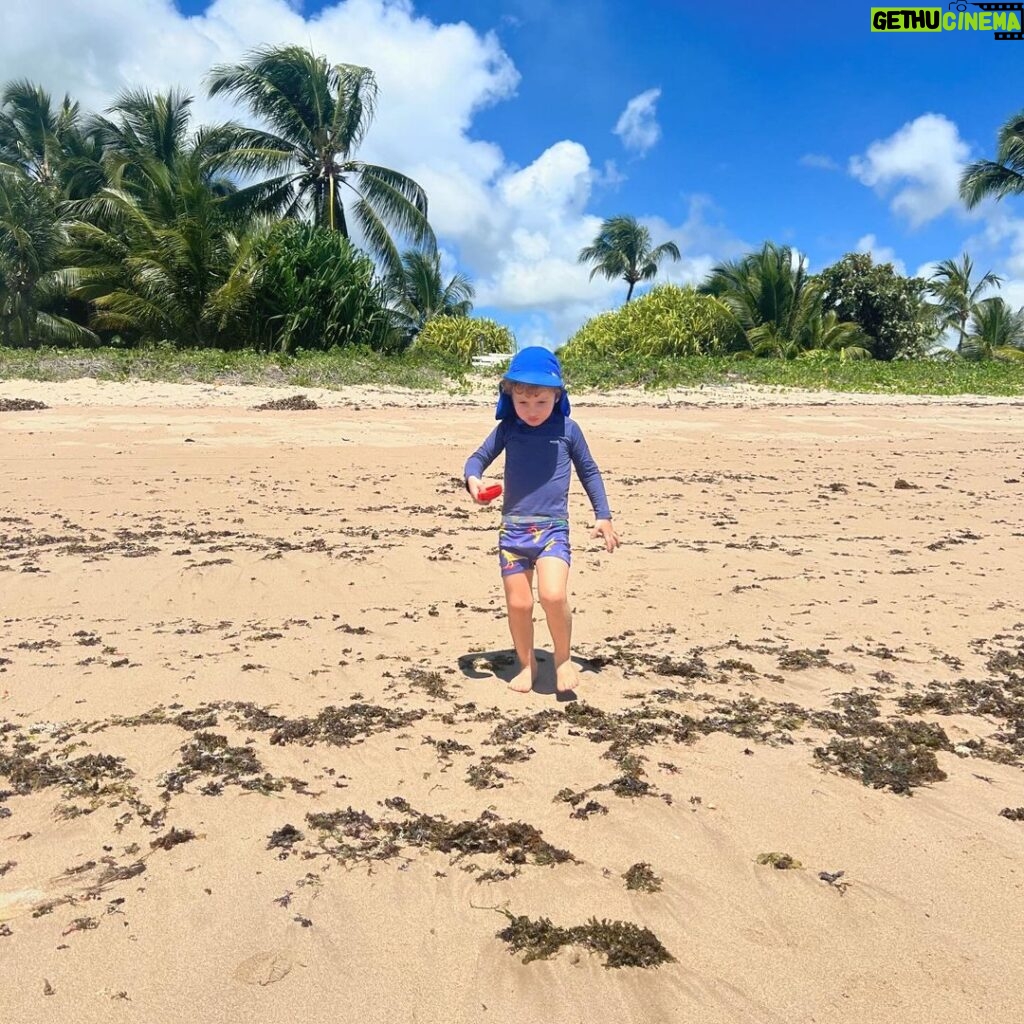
(347, 367)
(342, 368)
(919, 377)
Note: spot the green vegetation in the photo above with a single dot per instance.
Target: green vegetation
(779, 308)
(958, 294)
(909, 377)
(297, 286)
(1003, 176)
(891, 310)
(419, 295)
(667, 321)
(334, 369)
(135, 228)
(149, 247)
(461, 338)
(317, 116)
(421, 370)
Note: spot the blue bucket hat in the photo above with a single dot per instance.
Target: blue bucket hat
(538, 366)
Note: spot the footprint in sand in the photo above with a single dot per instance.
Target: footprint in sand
(265, 968)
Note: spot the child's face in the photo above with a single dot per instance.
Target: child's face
(534, 405)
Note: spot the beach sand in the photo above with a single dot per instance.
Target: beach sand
(258, 760)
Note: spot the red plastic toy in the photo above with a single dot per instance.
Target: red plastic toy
(489, 493)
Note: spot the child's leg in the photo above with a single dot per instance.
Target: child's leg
(552, 587)
(519, 598)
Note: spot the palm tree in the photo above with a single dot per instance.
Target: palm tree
(49, 145)
(33, 234)
(155, 243)
(318, 115)
(622, 248)
(152, 248)
(779, 307)
(823, 332)
(767, 292)
(148, 143)
(957, 295)
(418, 293)
(29, 130)
(1003, 176)
(997, 331)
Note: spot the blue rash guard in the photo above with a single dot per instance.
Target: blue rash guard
(537, 467)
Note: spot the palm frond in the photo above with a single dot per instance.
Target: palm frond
(286, 86)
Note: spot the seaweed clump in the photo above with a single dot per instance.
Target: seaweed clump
(432, 683)
(21, 405)
(174, 838)
(340, 727)
(798, 661)
(94, 777)
(208, 753)
(641, 878)
(581, 810)
(354, 835)
(292, 403)
(622, 943)
(899, 759)
(779, 861)
(1012, 813)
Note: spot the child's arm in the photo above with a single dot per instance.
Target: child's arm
(593, 484)
(478, 462)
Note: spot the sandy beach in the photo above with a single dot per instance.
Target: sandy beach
(258, 760)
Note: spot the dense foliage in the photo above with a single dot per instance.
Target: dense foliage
(131, 227)
(300, 286)
(462, 338)
(667, 321)
(890, 309)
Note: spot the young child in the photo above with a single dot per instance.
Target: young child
(540, 443)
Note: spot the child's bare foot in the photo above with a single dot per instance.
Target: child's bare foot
(522, 681)
(566, 677)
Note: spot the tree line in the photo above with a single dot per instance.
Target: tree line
(854, 307)
(136, 226)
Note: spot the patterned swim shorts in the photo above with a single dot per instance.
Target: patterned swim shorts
(521, 544)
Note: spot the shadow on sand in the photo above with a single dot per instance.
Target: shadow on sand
(502, 665)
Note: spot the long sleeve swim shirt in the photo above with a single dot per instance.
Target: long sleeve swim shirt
(538, 463)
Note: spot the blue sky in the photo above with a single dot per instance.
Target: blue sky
(737, 123)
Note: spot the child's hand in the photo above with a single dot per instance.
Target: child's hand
(475, 485)
(603, 528)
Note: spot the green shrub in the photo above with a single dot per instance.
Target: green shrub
(667, 321)
(463, 337)
(305, 287)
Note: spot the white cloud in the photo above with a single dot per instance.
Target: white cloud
(545, 274)
(880, 253)
(922, 161)
(637, 125)
(1013, 292)
(611, 177)
(818, 161)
